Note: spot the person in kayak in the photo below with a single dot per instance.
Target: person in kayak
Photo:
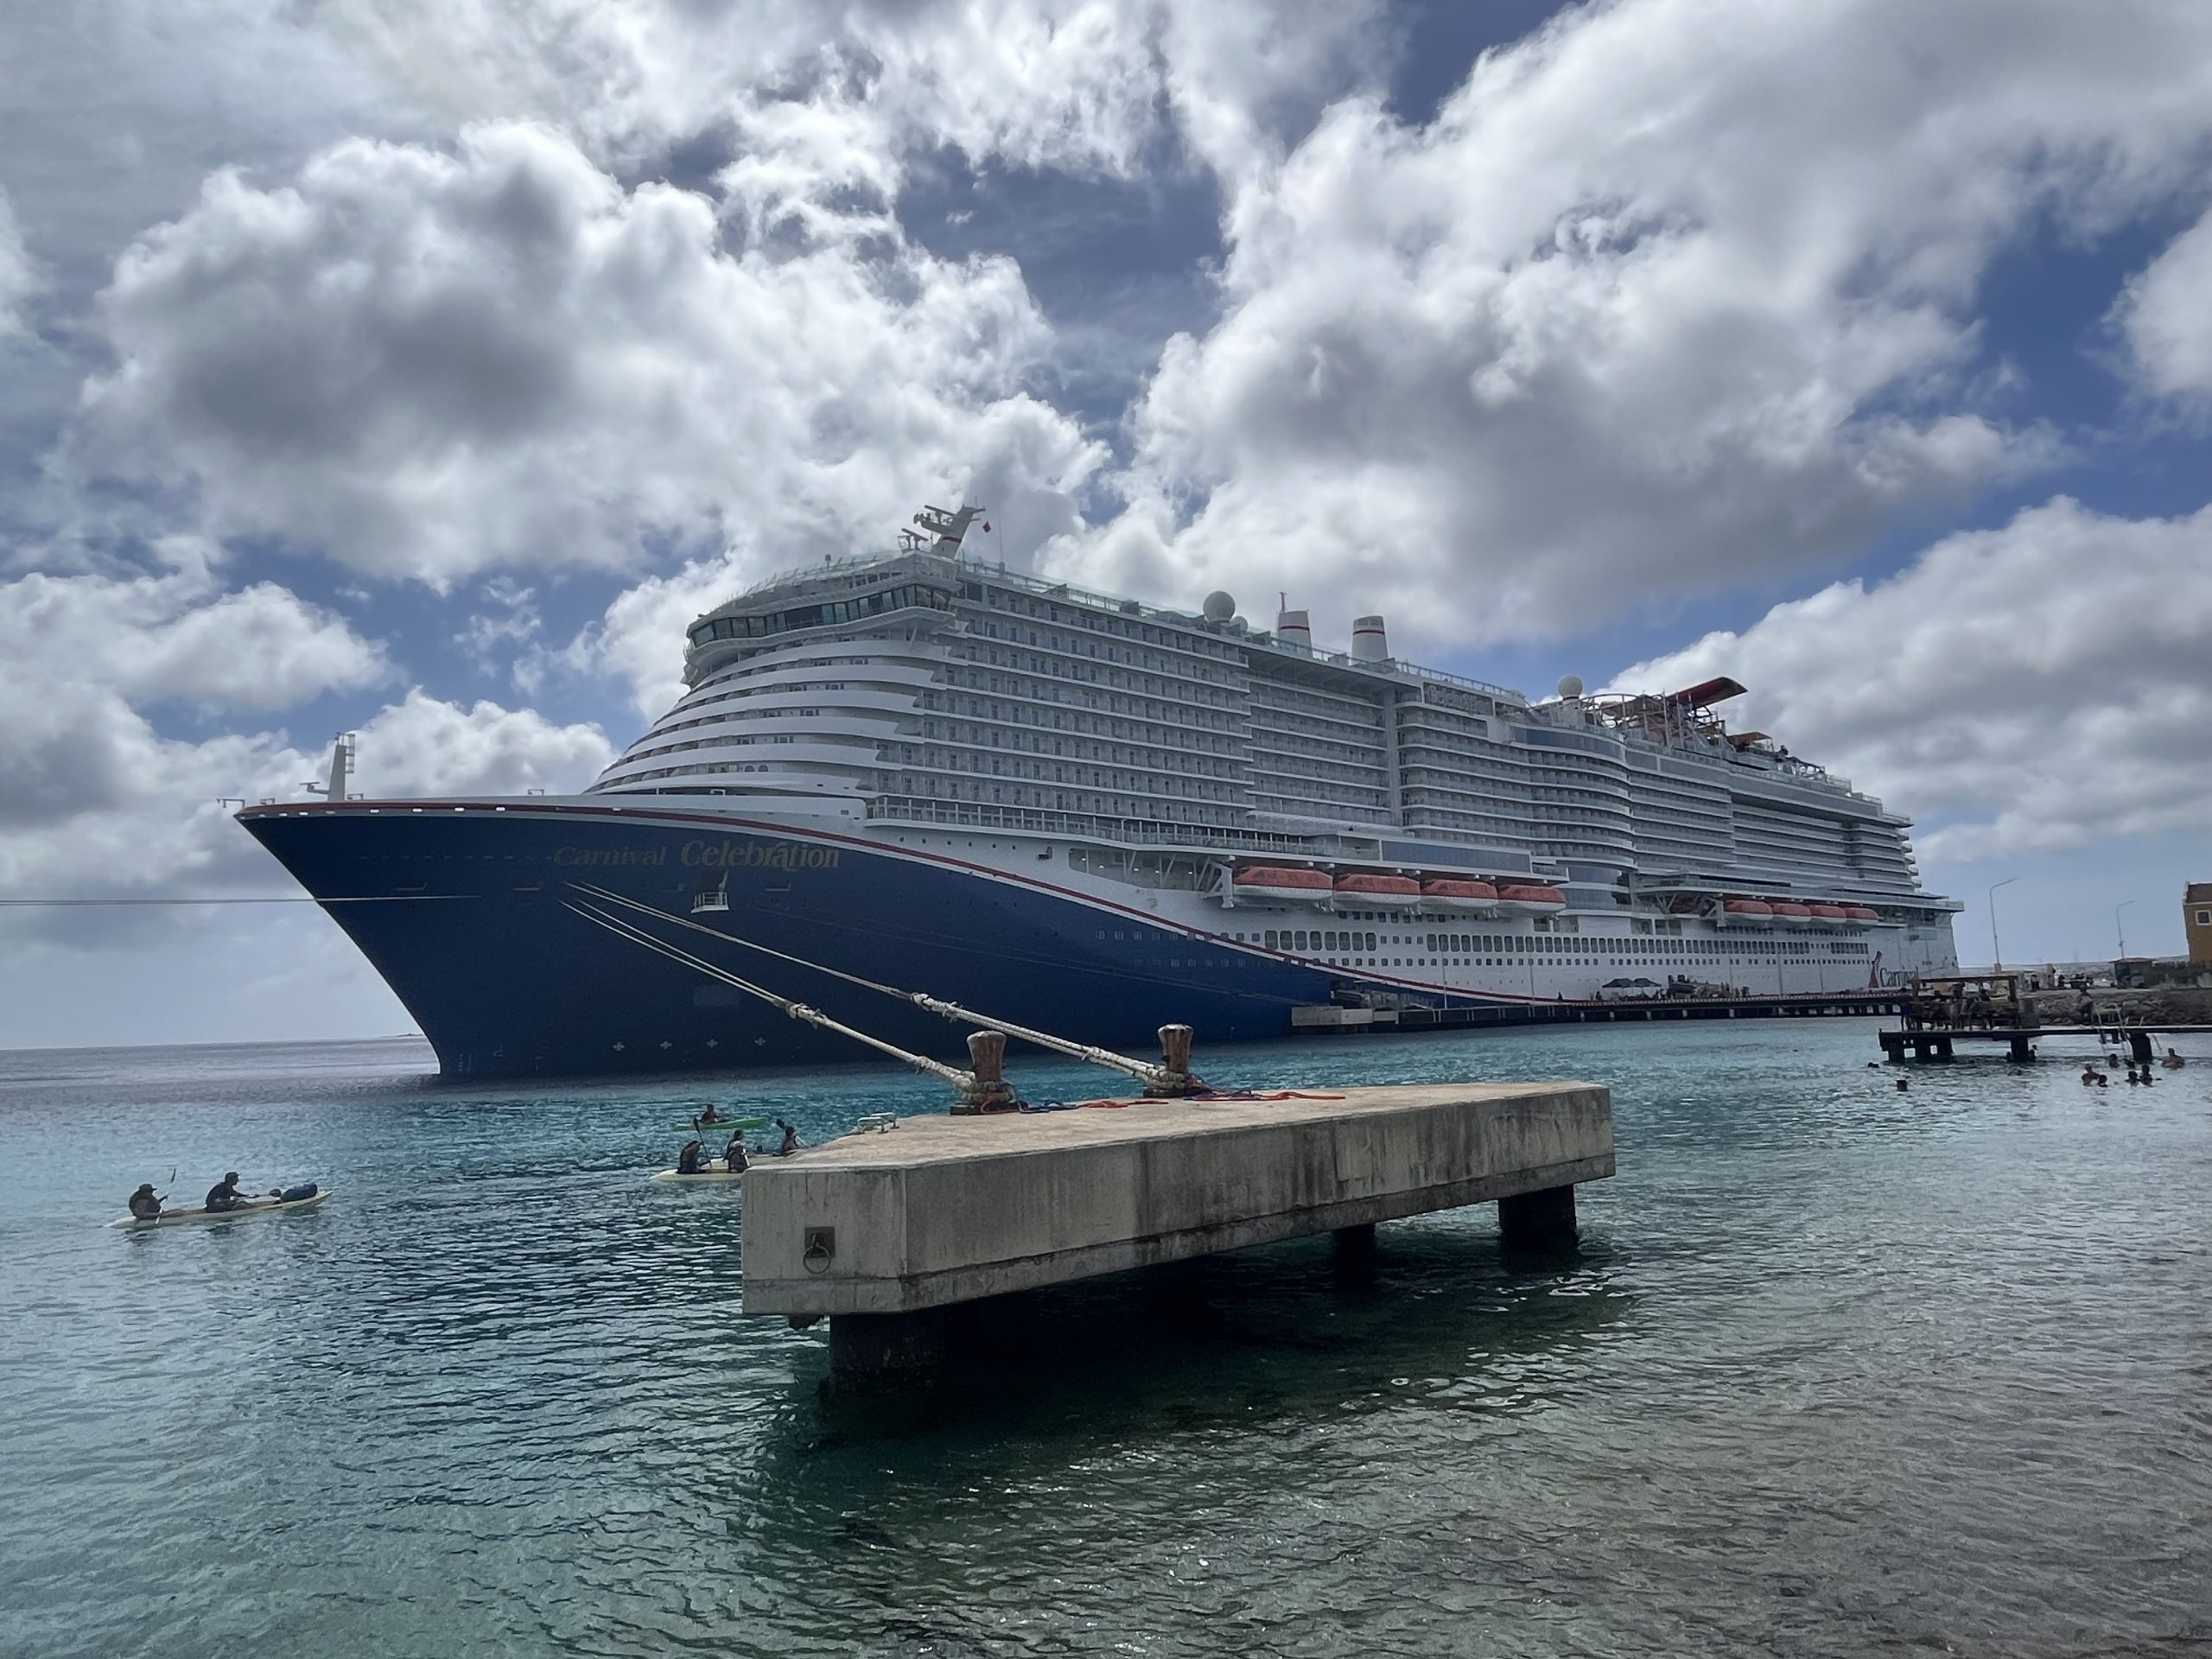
(687, 1162)
(145, 1203)
(791, 1140)
(708, 1119)
(733, 1159)
(224, 1194)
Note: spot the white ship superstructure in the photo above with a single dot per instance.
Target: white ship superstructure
(1236, 794)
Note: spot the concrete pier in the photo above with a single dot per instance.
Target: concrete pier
(878, 1230)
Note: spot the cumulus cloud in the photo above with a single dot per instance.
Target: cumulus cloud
(100, 803)
(17, 278)
(1672, 294)
(425, 746)
(430, 363)
(173, 636)
(2038, 686)
(99, 800)
(842, 89)
(2167, 316)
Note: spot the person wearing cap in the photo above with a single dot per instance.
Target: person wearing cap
(688, 1160)
(224, 1194)
(145, 1203)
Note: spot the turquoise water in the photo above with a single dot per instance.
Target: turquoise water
(1837, 1371)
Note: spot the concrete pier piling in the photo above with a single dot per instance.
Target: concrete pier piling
(1542, 1220)
(881, 1232)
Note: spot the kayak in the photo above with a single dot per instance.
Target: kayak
(262, 1207)
(703, 1175)
(728, 1123)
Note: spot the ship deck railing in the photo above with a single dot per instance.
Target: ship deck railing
(1121, 832)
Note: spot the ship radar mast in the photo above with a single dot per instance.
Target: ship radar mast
(341, 768)
(948, 527)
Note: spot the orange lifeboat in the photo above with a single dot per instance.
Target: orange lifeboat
(1265, 881)
(1862, 913)
(1371, 887)
(1519, 900)
(1829, 914)
(1790, 913)
(1450, 896)
(1750, 910)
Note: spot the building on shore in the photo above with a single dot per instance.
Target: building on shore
(2197, 921)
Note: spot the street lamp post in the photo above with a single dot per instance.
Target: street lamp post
(2118, 929)
(1996, 950)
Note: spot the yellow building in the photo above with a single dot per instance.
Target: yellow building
(2196, 921)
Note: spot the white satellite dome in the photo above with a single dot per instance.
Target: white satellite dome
(1219, 606)
(1570, 685)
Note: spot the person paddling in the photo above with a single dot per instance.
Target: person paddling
(687, 1162)
(145, 1203)
(224, 1195)
(708, 1119)
(791, 1140)
(734, 1158)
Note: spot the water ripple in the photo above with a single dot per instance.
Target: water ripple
(1838, 1370)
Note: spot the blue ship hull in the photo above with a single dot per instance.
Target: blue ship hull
(467, 918)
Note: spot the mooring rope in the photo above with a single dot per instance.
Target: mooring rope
(1143, 1071)
(959, 1079)
(281, 898)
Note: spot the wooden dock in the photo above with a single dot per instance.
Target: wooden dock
(1939, 1042)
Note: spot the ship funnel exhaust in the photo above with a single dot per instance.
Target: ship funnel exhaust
(1369, 643)
(1294, 628)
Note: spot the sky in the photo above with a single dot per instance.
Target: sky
(421, 369)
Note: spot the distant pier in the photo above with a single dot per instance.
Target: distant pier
(1939, 1042)
(1940, 1012)
(1327, 1020)
(883, 1232)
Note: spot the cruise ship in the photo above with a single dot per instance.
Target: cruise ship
(1094, 815)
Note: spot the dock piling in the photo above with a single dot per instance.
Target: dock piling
(872, 1352)
(1542, 1220)
(1353, 1256)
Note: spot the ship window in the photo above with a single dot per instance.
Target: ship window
(1270, 939)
